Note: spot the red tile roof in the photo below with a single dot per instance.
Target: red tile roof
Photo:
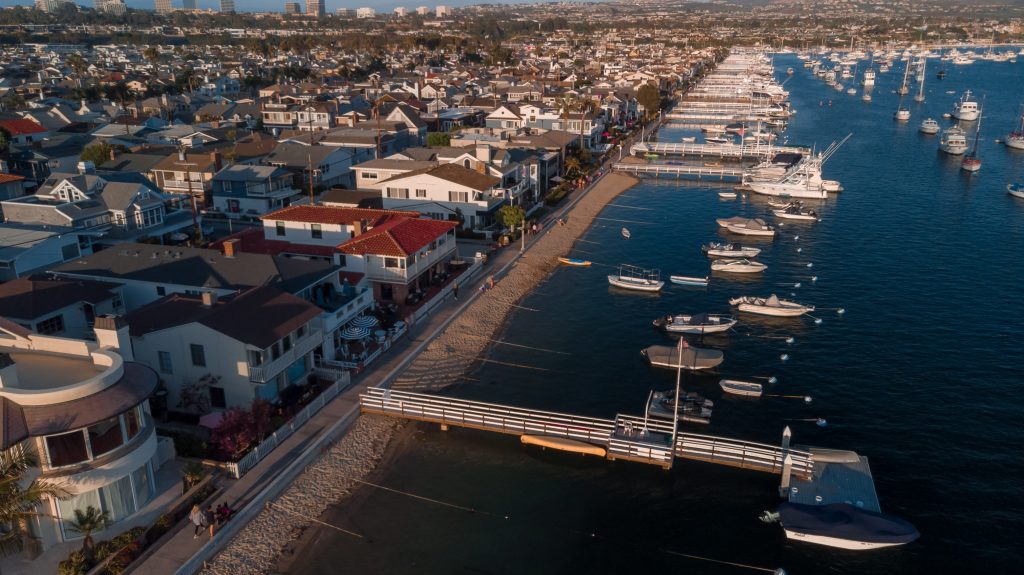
(8, 178)
(253, 241)
(21, 127)
(398, 237)
(334, 215)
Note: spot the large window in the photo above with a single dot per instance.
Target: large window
(67, 449)
(458, 197)
(133, 422)
(120, 499)
(105, 436)
(198, 355)
(51, 326)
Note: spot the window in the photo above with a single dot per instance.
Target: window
(255, 358)
(466, 163)
(105, 436)
(51, 326)
(391, 262)
(286, 343)
(149, 218)
(300, 331)
(133, 421)
(316, 231)
(69, 251)
(402, 193)
(370, 175)
(279, 226)
(421, 193)
(217, 399)
(198, 355)
(458, 197)
(160, 291)
(115, 301)
(275, 350)
(66, 449)
(164, 358)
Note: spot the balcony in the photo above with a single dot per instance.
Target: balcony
(182, 186)
(339, 310)
(511, 192)
(268, 371)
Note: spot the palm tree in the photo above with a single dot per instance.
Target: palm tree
(86, 523)
(152, 54)
(18, 503)
(572, 165)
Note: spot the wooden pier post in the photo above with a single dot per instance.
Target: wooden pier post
(787, 434)
(787, 471)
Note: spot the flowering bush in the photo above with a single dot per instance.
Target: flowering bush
(240, 430)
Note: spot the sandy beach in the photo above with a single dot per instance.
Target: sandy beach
(271, 542)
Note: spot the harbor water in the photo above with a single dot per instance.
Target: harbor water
(922, 373)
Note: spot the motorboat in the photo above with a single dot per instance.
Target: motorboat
(697, 324)
(692, 408)
(741, 266)
(737, 387)
(688, 139)
(953, 141)
(689, 281)
(869, 78)
(634, 278)
(803, 179)
(770, 305)
(929, 126)
(966, 109)
(574, 262)
(902, 114)
(797, 213)
(727, 195)
(693, 358)
(719, 140)
(729, 250)
(844, 526)
(1016, 190)
(746, 226)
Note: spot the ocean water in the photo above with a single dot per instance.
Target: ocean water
(922, 373)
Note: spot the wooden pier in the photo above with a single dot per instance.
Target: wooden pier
(680, 171)
(728, 151)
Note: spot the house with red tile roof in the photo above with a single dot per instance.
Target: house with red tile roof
(23, 131)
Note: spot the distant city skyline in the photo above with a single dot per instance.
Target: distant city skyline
(382, 6)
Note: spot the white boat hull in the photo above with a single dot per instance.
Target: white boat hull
(736, 268)
(742, 253)
(1014, 142)
(954, 150)
(636, 285)
(689, 281)
(772, 310)
(749, 232)
(783, 190)
(965, 116)
(800, 217)
(836, 542)
(745, 388)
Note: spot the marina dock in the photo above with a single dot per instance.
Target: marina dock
(729, 151)
(680, 171)
(820, 475)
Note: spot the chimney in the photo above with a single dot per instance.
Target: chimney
(215, 157)
(113, 153)
(181, 155)
(483, 153)
(358, 228)
(112, 333)
(209, 299)
(231, 247)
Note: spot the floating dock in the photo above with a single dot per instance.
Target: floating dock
(680, 171)
(726, 151)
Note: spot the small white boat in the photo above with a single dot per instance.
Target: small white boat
(902, 114)
(693, 408)
(797, 213)
(737, 387)
(770, 305)
(737, 266)
(697, 324)
(929, 127)
(693, 358)
(746, 226)
(727, 195)
(689, 281)
(1016, 190)
(634, 278)
(688, 139)
(953, 141)
(730, 250)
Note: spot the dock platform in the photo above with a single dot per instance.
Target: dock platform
(680, 171)
(836, 480)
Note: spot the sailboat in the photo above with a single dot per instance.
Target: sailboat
(1015, 139)
(971, 162)
(904, 88)
(920, 91)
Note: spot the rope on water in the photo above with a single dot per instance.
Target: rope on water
(520, 345)
(509, 364)
(630, 207)
(270, 505)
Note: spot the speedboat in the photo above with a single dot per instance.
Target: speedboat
(770, 305)
(697, 324)
(727, 195)
(693, 358)
(929, 126)
(746, 226)
(689, 139)
(966, 109)
(742, 266)
(1016, 190)
(797, 213)
(730, 250)
(693, 408)
(737, 387)
(844, 526)
(953, 141)
(902, 114)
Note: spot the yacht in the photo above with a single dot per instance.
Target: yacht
(869, 77)
(1015, 139)
(953, 141)
(902, 114)
(966, 109)
(803, 180)
(929, 127)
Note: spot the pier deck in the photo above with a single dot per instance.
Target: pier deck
(847, 481)
(731, 151)
(658, 170)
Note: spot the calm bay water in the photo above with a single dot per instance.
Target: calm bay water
(921, 374)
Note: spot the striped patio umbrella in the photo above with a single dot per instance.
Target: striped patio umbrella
(363, 321)
(355, 333)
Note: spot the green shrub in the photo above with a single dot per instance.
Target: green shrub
(187, 445)
(73, 565)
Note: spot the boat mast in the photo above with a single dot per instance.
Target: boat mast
(977, 134)
(920, 91)
(675, 408)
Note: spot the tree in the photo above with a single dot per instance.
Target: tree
(96, 153)
(86, 523)
(240, 430)
(572, 165)
(17, 503)
(511, 216)
(438, 139)
(152, 54)
(649, 98)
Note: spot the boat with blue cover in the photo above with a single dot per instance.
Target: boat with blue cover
(844, 526)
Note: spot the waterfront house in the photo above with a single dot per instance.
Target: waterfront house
(248, 190)
(50, 305)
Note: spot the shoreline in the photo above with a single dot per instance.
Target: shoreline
(273, 541)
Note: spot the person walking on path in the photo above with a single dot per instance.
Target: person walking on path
(209, 518)
(455, 290)
(198, 520)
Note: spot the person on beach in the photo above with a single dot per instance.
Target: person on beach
(197, 519)
(209, 518)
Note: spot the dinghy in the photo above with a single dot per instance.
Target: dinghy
(770, 305)
(689, 281)
(746, 226)
(696, 324)
(694, 358)
(730, 250)
(844, 526)
(1015, 190)
(737, 387)
(574, 262)
(634, 278)
(737, 266)
(727, 195)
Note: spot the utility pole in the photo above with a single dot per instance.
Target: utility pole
(309, 154)
(183, 161)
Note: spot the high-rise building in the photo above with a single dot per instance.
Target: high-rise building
(163, 6)
(345, 12)
(316, 8)
(423, 10)
(190, 4)
(227, 6)
(116, 7)
(365, 12)
(401, 12)
(443, 11)
(292, 8)
(51, 5)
